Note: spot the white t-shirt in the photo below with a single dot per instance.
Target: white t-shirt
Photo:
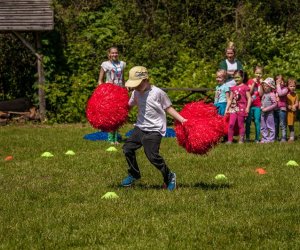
(114, 72)
(231, 67)
(151, 109)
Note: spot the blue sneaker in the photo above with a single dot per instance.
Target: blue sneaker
(172, 182)
(128, 181)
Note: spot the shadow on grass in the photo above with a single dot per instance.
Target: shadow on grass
(212, 186)
(200, 185)
(138, 186)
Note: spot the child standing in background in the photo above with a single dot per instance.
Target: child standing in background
(292, 104)
(255, 111)
(221, 92)
(280, 111)
(238, 106)
(112, 71)
(268, 104)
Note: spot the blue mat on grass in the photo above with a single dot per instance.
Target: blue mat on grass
(103, 136)
(99, 136)
(169, 133)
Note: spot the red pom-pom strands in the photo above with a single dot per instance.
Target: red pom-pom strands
(203, 130)
(107, 109)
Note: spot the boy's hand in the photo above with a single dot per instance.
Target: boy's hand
(183, 120)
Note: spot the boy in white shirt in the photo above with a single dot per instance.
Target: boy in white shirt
(151, 125)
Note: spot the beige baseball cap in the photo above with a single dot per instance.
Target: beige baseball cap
(136, 75)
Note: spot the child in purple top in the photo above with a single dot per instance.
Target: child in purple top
(238, 106)
(280, 112)
(268, 104)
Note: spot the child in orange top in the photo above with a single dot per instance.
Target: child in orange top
(292, 105)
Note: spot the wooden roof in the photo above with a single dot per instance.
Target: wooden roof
(26, 15)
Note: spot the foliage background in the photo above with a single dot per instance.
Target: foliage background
(181, 42)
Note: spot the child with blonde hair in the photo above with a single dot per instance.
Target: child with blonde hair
(221, 92)
(238, 106)
(112, 71)
(292, 105)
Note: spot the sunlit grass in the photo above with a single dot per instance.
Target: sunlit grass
(55, 203)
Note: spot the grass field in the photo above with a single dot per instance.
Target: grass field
(55, 203)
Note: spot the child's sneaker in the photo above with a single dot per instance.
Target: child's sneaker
(172, 182)
(128, 181)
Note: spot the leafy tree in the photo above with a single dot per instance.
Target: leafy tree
(181, 42)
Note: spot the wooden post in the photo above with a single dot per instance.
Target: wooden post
(41, 80)
(41, 75)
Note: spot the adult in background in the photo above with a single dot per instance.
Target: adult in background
(230, 64)
(112, 71)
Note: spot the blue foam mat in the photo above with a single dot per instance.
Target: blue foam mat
(169, 133)
(99, 136)
(103, 136)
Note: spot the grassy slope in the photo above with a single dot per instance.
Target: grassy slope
(55, 203)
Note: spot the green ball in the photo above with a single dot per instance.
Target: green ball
(220, 177)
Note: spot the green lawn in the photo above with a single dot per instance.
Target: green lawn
(55, 203)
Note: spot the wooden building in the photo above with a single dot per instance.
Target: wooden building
(35, 16)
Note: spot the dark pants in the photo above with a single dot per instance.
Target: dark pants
(280, 122)
(151, 143)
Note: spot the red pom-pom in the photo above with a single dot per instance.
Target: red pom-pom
(203, 130)
(107, 109)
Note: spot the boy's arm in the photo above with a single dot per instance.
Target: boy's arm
(172, 112)
(132, 101)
